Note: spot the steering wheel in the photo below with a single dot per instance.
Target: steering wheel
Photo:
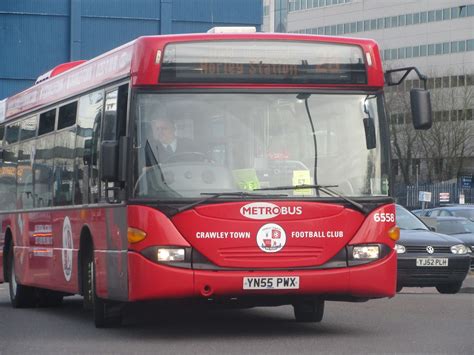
(154, 169)
(187, 156)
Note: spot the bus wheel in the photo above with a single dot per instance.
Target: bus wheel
(49, 298)
(309, 310)
(449, 289)
(20, 296)
(106, 313)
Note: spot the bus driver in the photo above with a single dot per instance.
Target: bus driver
(164, 143)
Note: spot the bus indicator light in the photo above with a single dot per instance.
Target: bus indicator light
(135, 235)
(394, 233)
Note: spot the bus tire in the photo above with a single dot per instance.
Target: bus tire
(450, 288)
(48, 298)
(309, 310)
(21, 296)
(105, 313)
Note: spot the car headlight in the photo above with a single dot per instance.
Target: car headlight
(400, 249)
(460, 249)
(366, 252)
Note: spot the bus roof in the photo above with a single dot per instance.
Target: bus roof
(142, 59)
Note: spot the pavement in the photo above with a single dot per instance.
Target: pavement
(468, 284)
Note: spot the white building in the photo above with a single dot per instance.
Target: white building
(436, 36)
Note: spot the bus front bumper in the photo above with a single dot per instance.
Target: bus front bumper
(151, 281)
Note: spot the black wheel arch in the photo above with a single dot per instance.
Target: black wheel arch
(86, 246)
(8, 242)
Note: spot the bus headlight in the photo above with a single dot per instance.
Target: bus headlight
(170, 254)
(400, 249)
(460, 249)
(366, 252)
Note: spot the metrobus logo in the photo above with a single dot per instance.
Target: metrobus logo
(266, 210)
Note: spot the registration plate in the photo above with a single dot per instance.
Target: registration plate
(272, 283)
(431, 262)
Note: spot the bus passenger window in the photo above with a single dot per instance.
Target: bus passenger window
(67, 115)
(88, 127)
(46, 122)
(64, 167)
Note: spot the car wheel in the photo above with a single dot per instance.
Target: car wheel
(20, 296)
(451, 288)
(309, 310)
(106, 313)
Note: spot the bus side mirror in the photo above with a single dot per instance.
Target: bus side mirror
(421, 108)
(109, 161)
(113, 160)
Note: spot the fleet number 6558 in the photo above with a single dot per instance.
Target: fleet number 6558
(384, 217)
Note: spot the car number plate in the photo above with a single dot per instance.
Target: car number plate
(431, 262)
(272, 283)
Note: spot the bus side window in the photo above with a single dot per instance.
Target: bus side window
(10, 162)
(7, 176)
(43, 160)
(64, 156)
(25, 190)
(89, 115)
(115, 118)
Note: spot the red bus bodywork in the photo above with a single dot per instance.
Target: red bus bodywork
(124, 274)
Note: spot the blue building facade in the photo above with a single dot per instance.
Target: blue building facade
(37, 35)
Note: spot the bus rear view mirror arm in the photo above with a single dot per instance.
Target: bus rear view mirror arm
(420, 100)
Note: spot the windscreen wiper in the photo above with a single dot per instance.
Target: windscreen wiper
(324, 188)
(211, 195)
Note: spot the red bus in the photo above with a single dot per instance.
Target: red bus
(248, 169)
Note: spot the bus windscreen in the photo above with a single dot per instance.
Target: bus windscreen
(263, 62)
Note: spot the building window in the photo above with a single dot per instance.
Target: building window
(423, 17)
(445, 47)
(394, 54)
(401, 53)
(409, 19)
(470, 79)
(401, 20)
(454, 12)
(454, 47)
(431, 16)
(416, 18)
(380, 23)
(409, 52)
(446, 81)
(470, 10)
(431, 49)
(462, 46)
(446, 14)
(416, 51)
(438, 49)
(366, 25)
(373, 24)
(470, 45)
(394, 21)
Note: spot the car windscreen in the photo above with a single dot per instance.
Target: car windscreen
(406, 220)
(458, 226)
